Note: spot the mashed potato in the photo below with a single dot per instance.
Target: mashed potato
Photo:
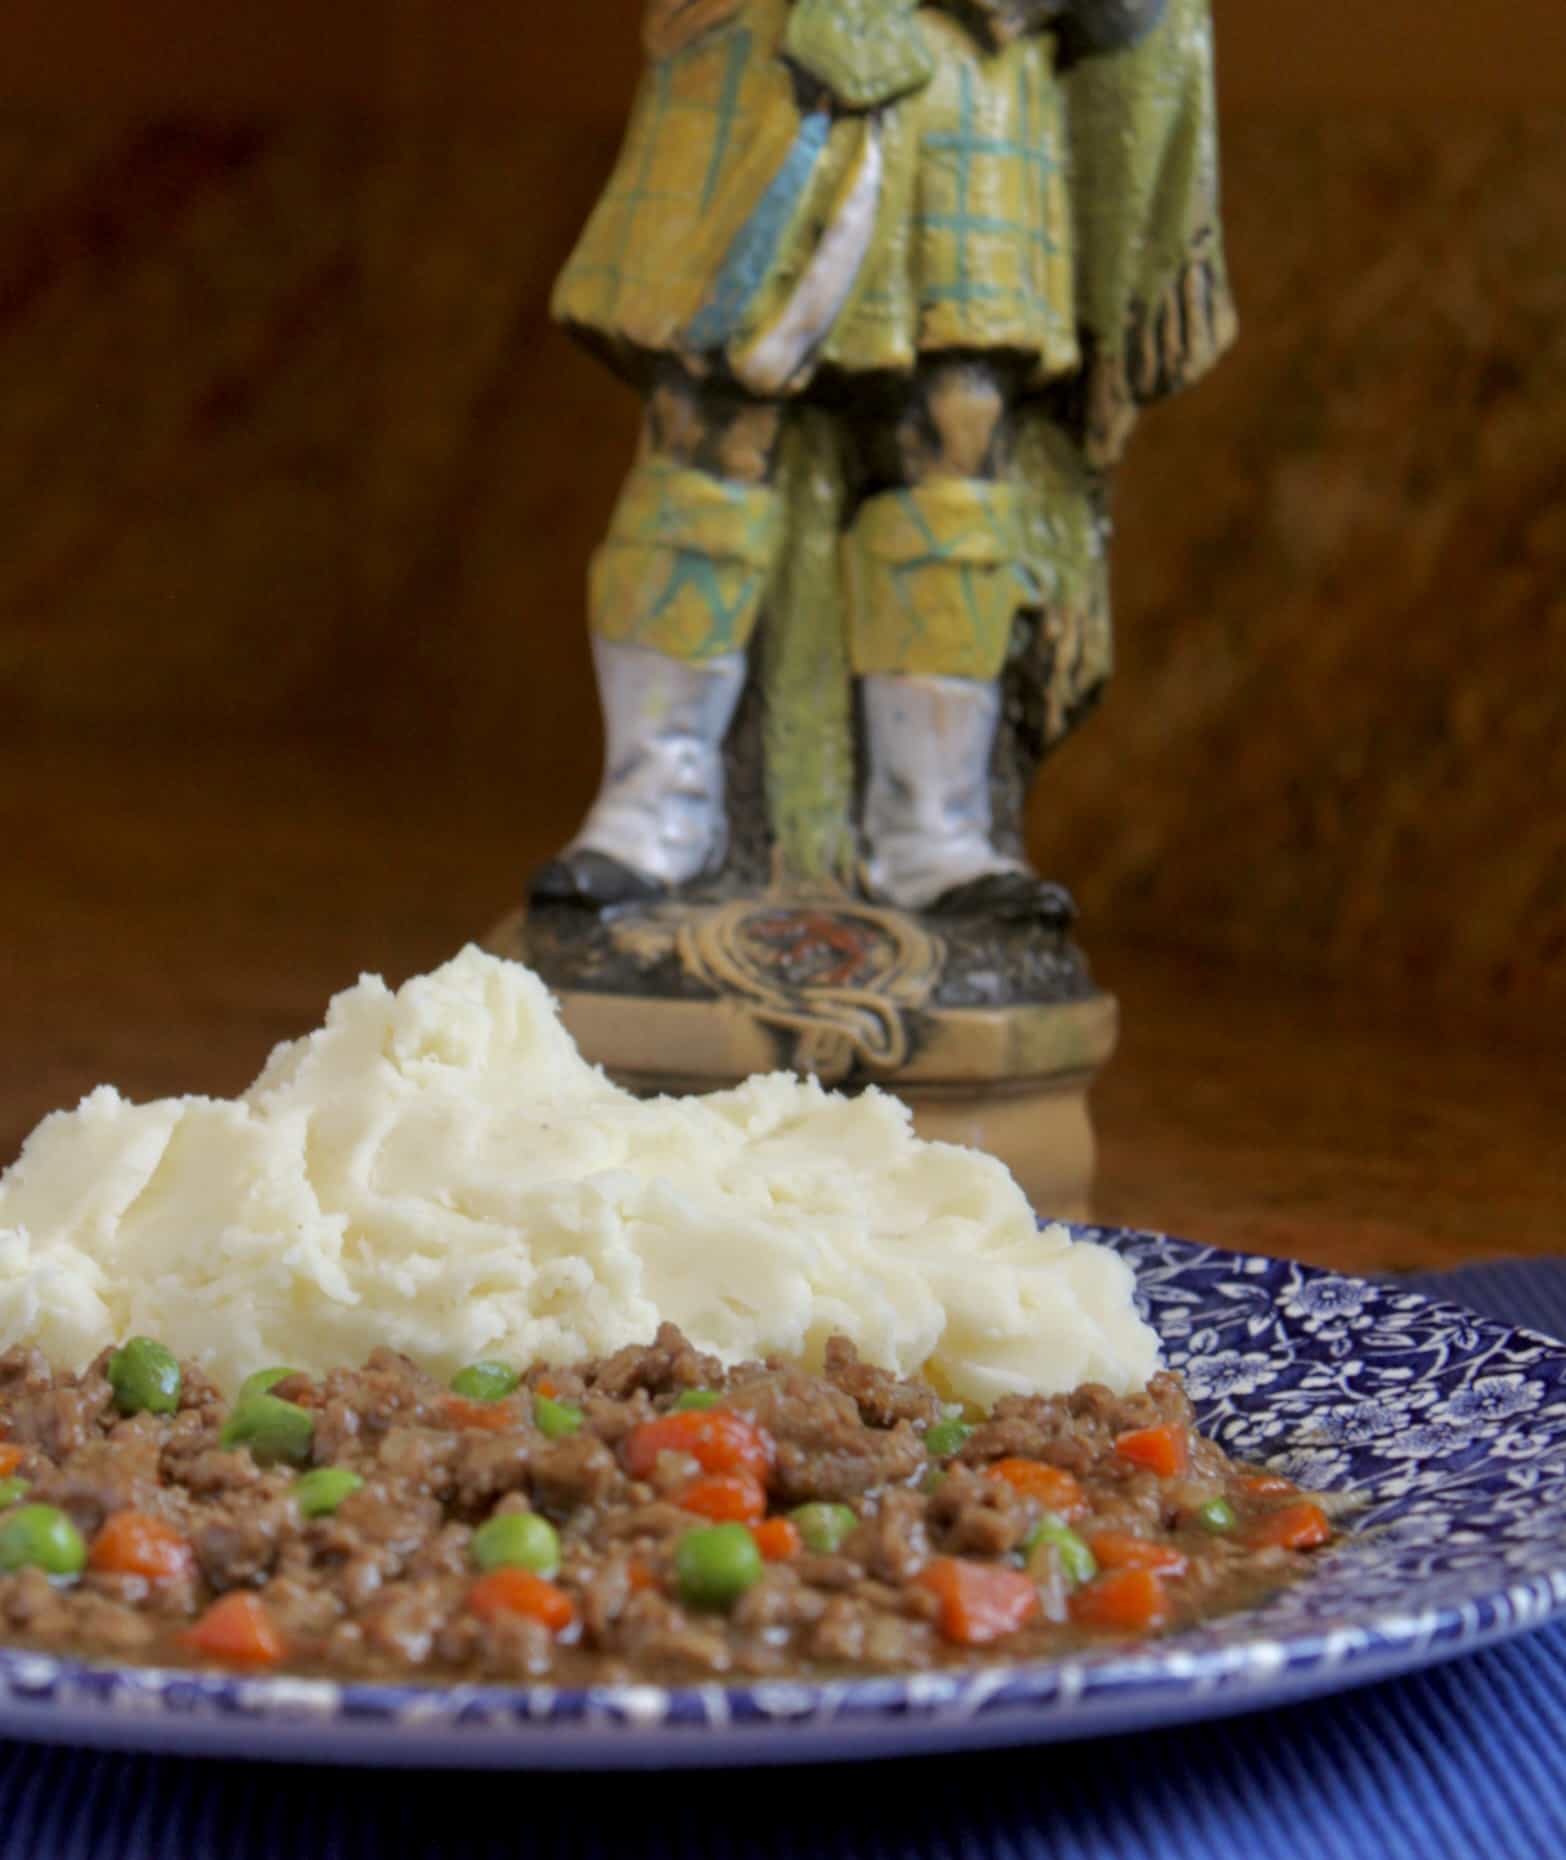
(438, 1169)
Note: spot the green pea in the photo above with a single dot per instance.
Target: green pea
(261, 1381)
(320, 1491)
(12, 1489)
(822, 1527)
(944, 1439)
(272, 1429)
(1077, 1562)
(713, 1567)
(517, 1540)
(144, 1377)
(42, 1538)
(1217, 1516)
(555, 1419)
(698, 1399)
(485, 1381)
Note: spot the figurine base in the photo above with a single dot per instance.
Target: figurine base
(995, 1046)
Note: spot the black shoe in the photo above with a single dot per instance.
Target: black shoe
(1015, 897)
(592, 881)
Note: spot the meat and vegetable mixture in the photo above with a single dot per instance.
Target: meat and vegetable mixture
(646, 1516)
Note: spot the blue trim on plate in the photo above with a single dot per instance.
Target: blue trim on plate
(1447, 1432)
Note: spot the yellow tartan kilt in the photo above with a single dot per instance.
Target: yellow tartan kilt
(723, 191)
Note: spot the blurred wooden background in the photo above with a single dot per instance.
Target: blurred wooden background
(288, 448)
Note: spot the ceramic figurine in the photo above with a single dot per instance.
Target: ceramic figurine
(893, 280)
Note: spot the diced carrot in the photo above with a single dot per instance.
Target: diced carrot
(237, 1630)
(512, 1591)
(640, 1575)
(980, 1602)
(1266, 1485)
(545, 1387)
(726, 1498)
(1054, 1488)
(132, 1543)
(1301, 1526)
(1133, 1601)
(10, 1458)
(719, 1440)
(777, 1539)
(1163, 1450)
(1120, 1550)
(492, 1416)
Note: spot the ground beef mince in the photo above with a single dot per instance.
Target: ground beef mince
(647, 1516)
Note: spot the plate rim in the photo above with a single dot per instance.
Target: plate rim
(63, 1699)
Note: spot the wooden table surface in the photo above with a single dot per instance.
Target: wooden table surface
(170, 914)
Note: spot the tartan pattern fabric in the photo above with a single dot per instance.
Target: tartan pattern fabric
(972, 244)
(866, 52)
(668, 26)
(935, 580)
(974, 251)
(711, 126)
(686, 563)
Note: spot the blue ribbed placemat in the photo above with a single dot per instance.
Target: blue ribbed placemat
(1468, 1759)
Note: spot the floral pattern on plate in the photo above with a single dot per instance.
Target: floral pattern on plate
(1443, 1434)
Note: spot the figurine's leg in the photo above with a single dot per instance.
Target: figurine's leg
(937, 578)
(675, 592)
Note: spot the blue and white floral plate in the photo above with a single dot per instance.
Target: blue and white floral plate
(1447, 1433)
